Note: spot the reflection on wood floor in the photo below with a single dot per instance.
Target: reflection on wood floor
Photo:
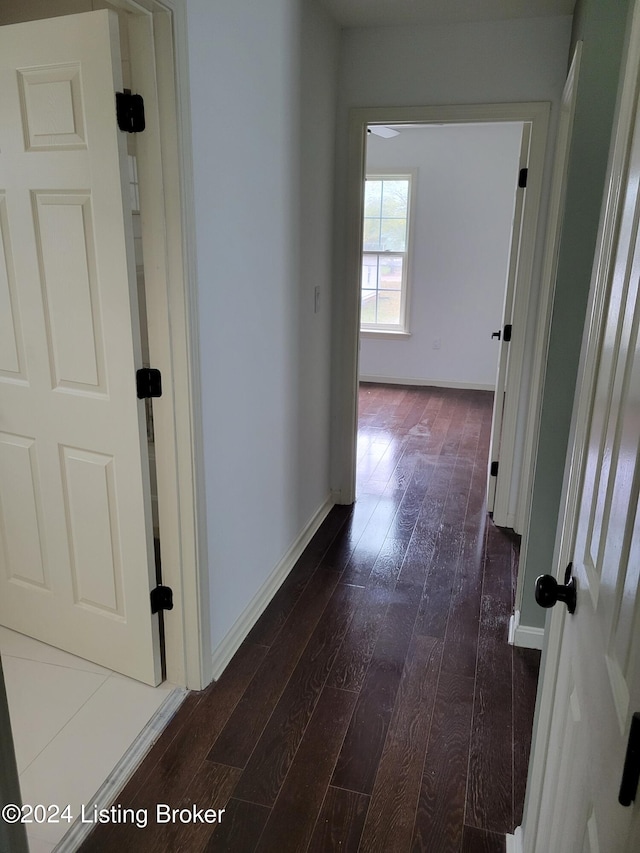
(376, 705)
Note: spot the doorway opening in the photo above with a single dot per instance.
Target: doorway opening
(441, 215)
(533, 117)
(439, 211)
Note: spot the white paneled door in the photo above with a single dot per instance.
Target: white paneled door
(591, 686)
(76, 550)
(499, 481)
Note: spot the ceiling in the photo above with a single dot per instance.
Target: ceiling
(374, 13)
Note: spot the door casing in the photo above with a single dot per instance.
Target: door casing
(157, 36)
(545, 308)
(347, 351)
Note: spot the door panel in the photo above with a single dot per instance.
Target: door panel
(77, 557)
(502, 370)
(597, 665)
(19, 498)
(67, 256)
(11, 346)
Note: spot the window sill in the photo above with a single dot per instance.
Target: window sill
(384, 334)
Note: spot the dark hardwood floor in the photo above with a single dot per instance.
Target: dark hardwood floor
(376, 705)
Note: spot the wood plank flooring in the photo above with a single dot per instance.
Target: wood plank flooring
(376, 704)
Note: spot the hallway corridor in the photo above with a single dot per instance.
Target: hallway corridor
(376, 704)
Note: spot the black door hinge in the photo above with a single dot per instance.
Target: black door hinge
(522, 178)
(148, 383)
(494, 468)
(161, 599)
(506, 335)
(130, 112)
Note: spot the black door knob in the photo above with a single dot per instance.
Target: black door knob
(549, 591)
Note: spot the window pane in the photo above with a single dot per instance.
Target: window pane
(368, 309)
(372, 197)
(393, 235)
(395, 198)
(369, 272)
(391, 273)
(389, 307)
(371, 237)
(385, 238)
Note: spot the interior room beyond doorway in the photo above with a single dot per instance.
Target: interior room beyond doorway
(461, 214)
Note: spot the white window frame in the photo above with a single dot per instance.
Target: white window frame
(401, 329)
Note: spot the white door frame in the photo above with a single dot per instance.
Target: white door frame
(566, 531)
(548, 284)
(543, 328)
(157, 31)
(535, 113)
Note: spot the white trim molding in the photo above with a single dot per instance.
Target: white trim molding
(435, 383)
(223, 653)
(387, 335)
(547, 288)
(514, 842)
(524, 636)
(182, 520)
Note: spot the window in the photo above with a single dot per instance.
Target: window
(385, 253)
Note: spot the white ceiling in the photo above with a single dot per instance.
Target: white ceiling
(371, 13)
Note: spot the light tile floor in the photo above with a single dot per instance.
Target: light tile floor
(72, 721)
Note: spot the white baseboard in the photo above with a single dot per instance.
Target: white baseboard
(123, 771)
(437, 383)
(514, 842)
(524, 636)
(223, 653)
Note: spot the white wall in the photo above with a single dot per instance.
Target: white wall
(462, 218)
(471, 63)
(263, 80)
